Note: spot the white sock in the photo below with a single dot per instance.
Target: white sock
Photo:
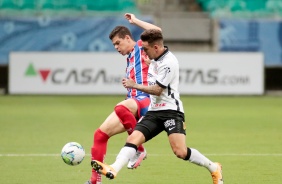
(199, 159)
(125, 154)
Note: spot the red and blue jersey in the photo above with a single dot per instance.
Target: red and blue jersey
(137, 69)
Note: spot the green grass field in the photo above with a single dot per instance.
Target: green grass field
(243, 133)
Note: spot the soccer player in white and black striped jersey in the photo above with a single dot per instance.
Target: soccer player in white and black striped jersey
(165, 113)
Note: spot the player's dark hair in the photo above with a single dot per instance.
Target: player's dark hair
(121, 32)
(152, 36)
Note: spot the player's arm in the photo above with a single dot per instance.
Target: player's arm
(152, 89)
(144, 25)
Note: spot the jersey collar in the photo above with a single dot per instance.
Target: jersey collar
(163, 54)
(133, 49)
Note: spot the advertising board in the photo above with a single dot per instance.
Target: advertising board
(101, 73)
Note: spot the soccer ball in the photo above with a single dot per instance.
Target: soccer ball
(73, 153)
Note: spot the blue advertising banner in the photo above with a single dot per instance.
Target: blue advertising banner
(253, 36)
(59, 34)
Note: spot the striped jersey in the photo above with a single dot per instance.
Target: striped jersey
(164, 71)
(137, 69)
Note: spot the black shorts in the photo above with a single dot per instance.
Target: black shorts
(154, 122)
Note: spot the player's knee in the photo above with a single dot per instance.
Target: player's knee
(129, 104)
(126, 117)
(120, 110)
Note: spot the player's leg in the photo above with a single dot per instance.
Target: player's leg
(145, 130)
(122, 119)
(127, 152)
(128, 112)
(177, 140)
(109, 127)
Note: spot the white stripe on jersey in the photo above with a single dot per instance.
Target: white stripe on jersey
(165, 72)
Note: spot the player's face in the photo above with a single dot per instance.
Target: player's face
(121, 44)
(149, 50)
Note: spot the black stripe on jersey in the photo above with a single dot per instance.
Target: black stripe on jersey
(168, 90)
(172, 96)
(177, 103)
(161, 85)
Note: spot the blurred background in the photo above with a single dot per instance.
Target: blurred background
(189, 26)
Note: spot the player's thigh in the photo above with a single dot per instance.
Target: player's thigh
(150, 126)
(131, 105)
(112, 125)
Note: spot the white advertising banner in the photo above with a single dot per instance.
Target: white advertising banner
(66, 73)
(101, 73)
(221, 73)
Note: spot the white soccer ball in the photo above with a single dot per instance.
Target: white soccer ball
(73, 153)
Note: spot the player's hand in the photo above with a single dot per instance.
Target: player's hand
(146, 58)
(128, 83)
(130, 17)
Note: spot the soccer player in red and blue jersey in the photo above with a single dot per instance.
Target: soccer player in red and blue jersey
(129, 111)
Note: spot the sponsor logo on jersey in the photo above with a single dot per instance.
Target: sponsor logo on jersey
(159, 105)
